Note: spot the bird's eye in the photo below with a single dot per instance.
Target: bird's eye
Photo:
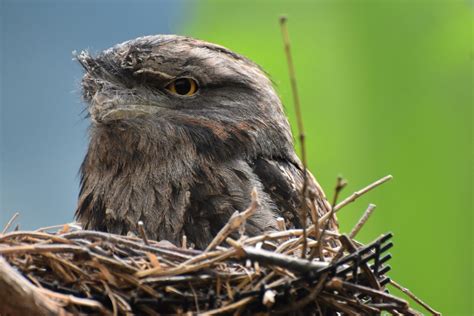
(183, 86)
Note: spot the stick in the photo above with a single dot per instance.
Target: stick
(340, 184)
(141, 230)
(10, 222)
(362, 221)
(299, 120)
(415, 298)
(338, 284)
(229, 307)
(71, 299)
(235, 221)
(355, 196)
(359, 193)
(291, 263)
(184, 242)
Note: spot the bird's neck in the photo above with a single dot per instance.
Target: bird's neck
(127, 176)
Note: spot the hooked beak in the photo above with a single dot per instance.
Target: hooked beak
(109, 100)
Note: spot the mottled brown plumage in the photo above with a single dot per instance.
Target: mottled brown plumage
(184, 164)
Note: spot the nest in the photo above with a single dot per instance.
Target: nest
(315, 271)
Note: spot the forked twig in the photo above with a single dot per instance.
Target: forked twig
(355, 196)
(235, 221)
(359, 193)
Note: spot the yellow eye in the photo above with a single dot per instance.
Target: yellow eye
(183, 86)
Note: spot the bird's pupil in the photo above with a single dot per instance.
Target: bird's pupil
(182, 86)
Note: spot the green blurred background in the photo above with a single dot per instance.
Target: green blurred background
(386, 88)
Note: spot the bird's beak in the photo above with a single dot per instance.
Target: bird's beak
(128, 111)
(105, 104)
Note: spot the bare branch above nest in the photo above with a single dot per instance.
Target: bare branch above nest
(354, 197)
(301, 133)
(359, 193)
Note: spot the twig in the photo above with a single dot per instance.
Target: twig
(34, 234)
(362, 221)
(345, 308)
(299, 120)
(415, 298)
(74, 300)
(359, 193)
(142, 233)
(317, 231)
(235, 221)
(299, 305)
(30, 249)
(340, 185)
(288, 262)
(229, 307)
(184, 254)
(9, 223)
(74, 225)
(184, 242)
(186, 268)
(355, 196)
(281, 224)
(338, 284)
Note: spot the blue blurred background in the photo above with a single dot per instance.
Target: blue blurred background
(386, 87)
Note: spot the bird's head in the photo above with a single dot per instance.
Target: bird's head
(171, 87)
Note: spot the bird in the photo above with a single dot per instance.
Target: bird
(181, 132)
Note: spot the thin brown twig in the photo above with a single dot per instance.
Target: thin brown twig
(355, 196)
(74, 300)
(229, 307)
(338, 284)
(359, 193)
(299, 119)
(415, 298)
(355, 230)
(9, 223)
(142, 232)
(340, 185)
